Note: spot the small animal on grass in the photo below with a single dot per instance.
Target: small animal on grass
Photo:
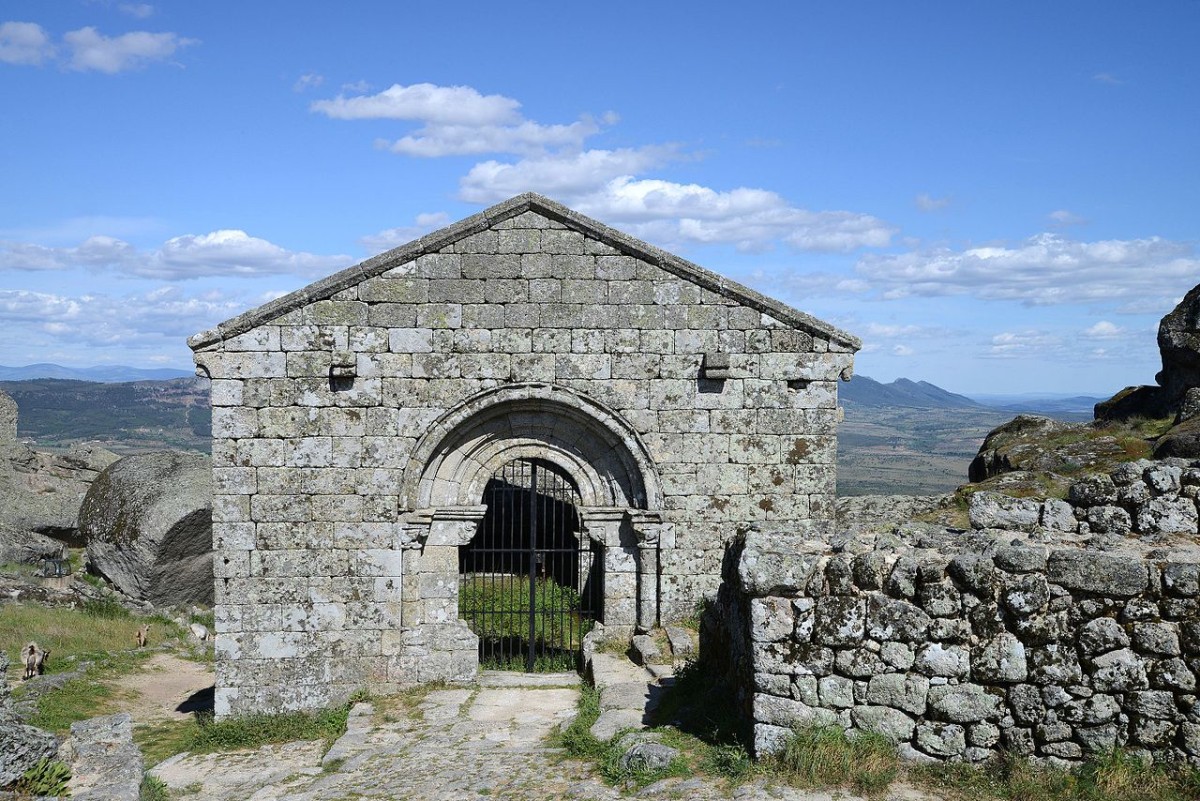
(142, 635)
(35, 660)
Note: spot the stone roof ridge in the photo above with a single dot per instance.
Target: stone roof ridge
(482, 221)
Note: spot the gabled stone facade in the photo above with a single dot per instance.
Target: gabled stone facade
(357, 421)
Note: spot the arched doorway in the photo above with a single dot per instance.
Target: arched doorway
(530, 580)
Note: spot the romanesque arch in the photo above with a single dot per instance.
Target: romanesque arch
(601, 451)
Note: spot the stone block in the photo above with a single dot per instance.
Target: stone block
(1096, 573)
(963, 703)
(891, 723)
(901, 691)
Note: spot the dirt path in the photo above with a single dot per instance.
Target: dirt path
(162, 688)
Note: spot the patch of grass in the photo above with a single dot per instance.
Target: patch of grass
(824, 756)
(696, 757)
(75, 637)
(206, 735)
(201, 734)
(497, 608)
(153, 789)
(1113, 776)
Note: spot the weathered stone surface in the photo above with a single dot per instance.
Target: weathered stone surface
(836, 692)
(948, 661)
(994, 510)
(889, 619)
(1109, 520)
(975, 573)
(1167, 516)
(1096, 573)
(106, 765)
(40, 494)
(1054, 664)
(1161, 639)
(1172, 674)
(1020, 559)
(148, 524)
(1181, 580)
(891, 723)
(839, 621)
(788, 713)
(1025, 701)
(1093, 490)
(939, 598)
(1013, 446)
(1158, 704)
(648, 757)
(1090, 711)
(1119, 671)
(899, 690)
(1025, 595)
(1057, 515)
(999, 661)
(963, 703)
(941, 739)
(21, 746)
(1101, 636)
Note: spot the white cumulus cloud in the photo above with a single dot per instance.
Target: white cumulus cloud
(1046, 269)
(1104, 330)
(24, 43)
(395, 237)
(226, 252)
(92, 50)
(427, 102)
(1025, 344)
(610, 184)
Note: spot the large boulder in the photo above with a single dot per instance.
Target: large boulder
(147, 521)
(1179, 347)
(1043, 445)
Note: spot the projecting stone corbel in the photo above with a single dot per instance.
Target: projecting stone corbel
(715, 366)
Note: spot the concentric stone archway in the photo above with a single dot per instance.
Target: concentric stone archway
(593, 444)
(621, 497)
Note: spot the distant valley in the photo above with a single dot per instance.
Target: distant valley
(915, 438)
(904, 437)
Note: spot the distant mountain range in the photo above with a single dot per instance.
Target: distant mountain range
(869, 393)
(111, 374)
(864, 391)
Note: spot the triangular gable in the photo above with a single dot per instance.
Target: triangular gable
(486, 219)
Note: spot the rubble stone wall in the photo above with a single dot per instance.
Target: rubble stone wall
(1054, 654)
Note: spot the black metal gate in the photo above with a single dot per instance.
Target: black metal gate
(529, 589)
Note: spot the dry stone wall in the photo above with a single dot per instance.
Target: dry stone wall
(1056, 655)
(331, 573)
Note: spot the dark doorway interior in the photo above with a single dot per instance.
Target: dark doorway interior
(529, 588)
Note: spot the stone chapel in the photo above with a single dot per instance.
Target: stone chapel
(491, 443)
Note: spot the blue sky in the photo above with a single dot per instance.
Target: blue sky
(995, 198)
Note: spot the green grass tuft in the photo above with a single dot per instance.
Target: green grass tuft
(824, 756)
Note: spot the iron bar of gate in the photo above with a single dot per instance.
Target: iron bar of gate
(533, 537)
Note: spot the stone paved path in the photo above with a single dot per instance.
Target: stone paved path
(485, 742)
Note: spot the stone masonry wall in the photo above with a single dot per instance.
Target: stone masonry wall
(1053, 655)
(325, 581)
